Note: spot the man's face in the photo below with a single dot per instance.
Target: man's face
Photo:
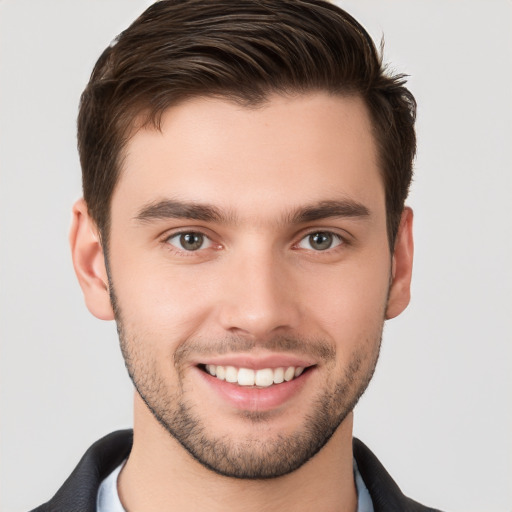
(251, 244)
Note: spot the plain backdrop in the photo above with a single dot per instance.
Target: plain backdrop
(438, 413)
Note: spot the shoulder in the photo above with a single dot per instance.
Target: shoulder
(385, 493)
(80, 489)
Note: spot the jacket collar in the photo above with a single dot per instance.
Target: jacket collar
(79, 491)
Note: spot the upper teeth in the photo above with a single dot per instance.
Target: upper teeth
(248, 377)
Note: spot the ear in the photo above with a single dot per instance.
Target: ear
(401, 270)
(89, 262)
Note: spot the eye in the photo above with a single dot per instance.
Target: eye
(320, 241)
(189, 241)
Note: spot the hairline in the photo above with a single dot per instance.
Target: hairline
(143, 118)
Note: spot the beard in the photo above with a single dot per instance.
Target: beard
(261, 455)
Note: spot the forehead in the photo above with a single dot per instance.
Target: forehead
(289, 151)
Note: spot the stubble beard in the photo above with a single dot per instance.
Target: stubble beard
(255, 457)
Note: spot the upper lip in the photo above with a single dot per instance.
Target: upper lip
(257, 363)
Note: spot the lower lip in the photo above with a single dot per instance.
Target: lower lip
(251, 398)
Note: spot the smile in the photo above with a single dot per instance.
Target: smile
(263, 378)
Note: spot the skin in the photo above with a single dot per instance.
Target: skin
(257, 289)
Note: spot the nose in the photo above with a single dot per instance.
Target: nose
(258, 296)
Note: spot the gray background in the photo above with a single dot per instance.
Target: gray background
(438, 413)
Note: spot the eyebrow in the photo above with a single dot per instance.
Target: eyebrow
(330, 209)
(176, 209)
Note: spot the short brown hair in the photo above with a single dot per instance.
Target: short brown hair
(241, 50)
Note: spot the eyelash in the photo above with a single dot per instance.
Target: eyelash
(183, 252)
(343, 242)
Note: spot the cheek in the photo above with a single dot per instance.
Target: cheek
(349, 311)
(173, 302)
(158, 301)
(350, 299)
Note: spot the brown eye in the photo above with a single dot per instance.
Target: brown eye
(320, 241)
(189, 241)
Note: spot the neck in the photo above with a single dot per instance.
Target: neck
(160, 475)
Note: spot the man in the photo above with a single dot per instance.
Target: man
(245, 166)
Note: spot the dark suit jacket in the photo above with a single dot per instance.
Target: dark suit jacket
(78, 494)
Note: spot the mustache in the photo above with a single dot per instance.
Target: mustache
(319, 348)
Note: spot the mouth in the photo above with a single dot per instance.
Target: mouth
(248, 377)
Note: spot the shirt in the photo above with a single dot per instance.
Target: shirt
(108, 497)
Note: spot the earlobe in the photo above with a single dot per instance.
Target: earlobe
(401, 272)
(89, 262)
